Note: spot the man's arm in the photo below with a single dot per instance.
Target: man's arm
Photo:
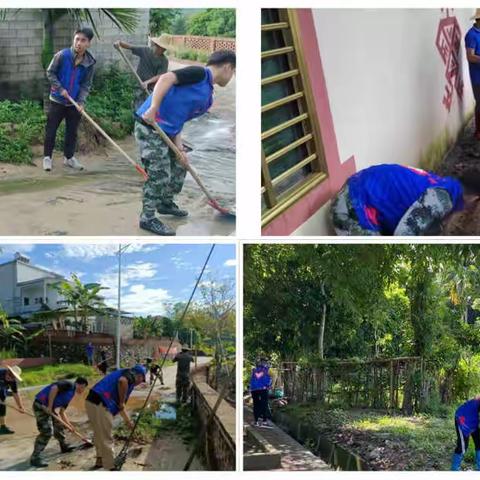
(164, 84)
(52, 73)
(18, 401)
(85, 88)
(64, 417)
(51, 398)
(471, 56)
(122, 398)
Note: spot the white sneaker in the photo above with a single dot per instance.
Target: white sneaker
(47, 163)
(72, 163)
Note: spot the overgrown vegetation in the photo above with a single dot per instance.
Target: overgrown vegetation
(150, 427)
(313, 304)
(21, 125)
(51, 373)
(420, 442)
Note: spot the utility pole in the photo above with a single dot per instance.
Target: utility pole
(119, 311)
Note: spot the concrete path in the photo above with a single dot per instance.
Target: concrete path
(294, 456)
(16, 449)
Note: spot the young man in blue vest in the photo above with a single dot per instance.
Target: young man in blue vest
(466, 426)
(472, 48)
(178, 96)
(106, 399)
(54, 396)
(394, 199)
(70, 73)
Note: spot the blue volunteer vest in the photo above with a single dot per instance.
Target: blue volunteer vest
(107, 388)
(70, 76)
(260, 380)
(181, 104)
(61, 400)
(382, 194)
(467, 416)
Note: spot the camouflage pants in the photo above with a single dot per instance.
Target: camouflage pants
(424, 216)
(165, 175)
(182, 385)
(47, 427)
(344, 217)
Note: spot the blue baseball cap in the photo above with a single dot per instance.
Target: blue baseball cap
(140, 369)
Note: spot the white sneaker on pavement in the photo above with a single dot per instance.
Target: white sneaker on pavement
(47, 163)
(72, 163)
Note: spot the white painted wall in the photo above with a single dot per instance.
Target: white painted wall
(26, 273)
(385, 81)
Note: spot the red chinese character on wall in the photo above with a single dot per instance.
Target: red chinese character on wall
(448, 41)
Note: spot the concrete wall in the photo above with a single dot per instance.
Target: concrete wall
(72, 349)
(21, 39)
(380, 90)
(219, 442)
(27, 362)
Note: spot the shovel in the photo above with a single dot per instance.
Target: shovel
(138, 168)
(211, 201)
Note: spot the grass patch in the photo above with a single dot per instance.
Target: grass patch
(421, 442)
(51, 373)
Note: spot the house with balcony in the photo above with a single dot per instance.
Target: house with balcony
(28, 292)
(26, 289)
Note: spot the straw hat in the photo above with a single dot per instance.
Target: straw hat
(477, 14)
(16, 372)
(161, 41)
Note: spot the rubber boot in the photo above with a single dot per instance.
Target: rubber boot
(456, 462)
(156, 226)
(477, 460)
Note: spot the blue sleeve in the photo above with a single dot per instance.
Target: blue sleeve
(470, 41)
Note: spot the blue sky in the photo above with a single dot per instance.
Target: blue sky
(153, 275)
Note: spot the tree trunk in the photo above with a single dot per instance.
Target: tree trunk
(321, 332)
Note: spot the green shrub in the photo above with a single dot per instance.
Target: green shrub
(111, 101)
(21, 125)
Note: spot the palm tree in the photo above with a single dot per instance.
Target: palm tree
(82, 298)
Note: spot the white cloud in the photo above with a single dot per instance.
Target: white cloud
(136, 271)
(19, 247)
(231, 262)
(90, 251)
(141, 300)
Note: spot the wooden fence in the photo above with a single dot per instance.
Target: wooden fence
(391, 383)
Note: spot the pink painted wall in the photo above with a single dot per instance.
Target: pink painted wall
(302, 210)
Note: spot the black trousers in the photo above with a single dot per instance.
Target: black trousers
(56, 113)
(260, 405)
(462, 440)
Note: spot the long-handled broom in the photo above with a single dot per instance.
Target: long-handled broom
(138, 168)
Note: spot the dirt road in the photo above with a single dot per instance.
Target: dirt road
(166, 453)
(106, 198)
